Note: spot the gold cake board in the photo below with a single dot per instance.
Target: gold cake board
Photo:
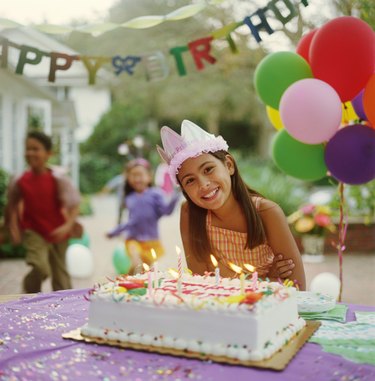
(277, 362)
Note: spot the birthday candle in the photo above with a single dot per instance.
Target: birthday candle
(178, 280)
(238, 270)
(156, 268)
(254, 280)
(217, 270)
(254, 277)
(179, 268)
(149, 279)
(179, 261)
(242, 283)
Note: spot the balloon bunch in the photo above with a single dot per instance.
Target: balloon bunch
(321, 100)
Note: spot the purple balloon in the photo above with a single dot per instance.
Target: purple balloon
(350, 154)
(357, 104)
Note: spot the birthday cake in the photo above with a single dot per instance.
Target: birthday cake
(243, 320)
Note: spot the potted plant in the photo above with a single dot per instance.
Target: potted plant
(312, 223)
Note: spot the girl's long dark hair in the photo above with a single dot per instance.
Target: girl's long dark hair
(198, 237)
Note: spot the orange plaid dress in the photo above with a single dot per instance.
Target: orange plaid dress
(229, 246)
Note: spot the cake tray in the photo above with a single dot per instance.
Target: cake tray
(278, 361)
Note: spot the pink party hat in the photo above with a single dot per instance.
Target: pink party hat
(192, 142)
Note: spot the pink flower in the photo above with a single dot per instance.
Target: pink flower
(322, 220)
(308, 209)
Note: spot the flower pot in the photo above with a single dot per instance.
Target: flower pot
(313, 248)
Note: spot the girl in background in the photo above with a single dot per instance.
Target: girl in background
(146, 205)
(222, 215)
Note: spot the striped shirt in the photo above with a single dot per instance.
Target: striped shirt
(230, 246)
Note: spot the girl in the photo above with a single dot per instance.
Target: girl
(222, 216)
(146, 205)
(42, 209)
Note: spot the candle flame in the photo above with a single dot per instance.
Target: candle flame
(213, 260)
(146, 266)
(235, 268)
(249, 267)
(153, 253)
(178, 250)
(173, 273)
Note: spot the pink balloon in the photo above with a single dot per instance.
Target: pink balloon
(311, 111)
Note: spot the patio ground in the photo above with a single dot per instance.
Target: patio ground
(359, 268)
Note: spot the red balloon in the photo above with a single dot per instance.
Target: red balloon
(304, 43)
(342, 53)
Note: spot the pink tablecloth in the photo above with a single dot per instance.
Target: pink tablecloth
(31, 348)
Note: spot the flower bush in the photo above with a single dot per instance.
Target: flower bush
(312, 219)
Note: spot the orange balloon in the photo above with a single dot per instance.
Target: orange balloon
(369, 100)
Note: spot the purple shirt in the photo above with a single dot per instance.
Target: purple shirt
(145, 210)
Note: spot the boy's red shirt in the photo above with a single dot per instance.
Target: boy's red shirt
(42, 208)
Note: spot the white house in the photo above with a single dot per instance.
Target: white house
(67, 108)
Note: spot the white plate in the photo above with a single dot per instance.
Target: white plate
(314, 302)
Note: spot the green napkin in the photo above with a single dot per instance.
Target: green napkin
(354, 341)
(336, 314)
(367, 317)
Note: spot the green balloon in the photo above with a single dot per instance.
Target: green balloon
(121, 260)
(276, 72)
(297, 159)
(85, 240)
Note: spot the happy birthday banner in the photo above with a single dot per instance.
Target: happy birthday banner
(155, 63)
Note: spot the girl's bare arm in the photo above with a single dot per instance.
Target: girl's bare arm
(281, 240)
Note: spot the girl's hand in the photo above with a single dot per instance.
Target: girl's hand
(281, 267)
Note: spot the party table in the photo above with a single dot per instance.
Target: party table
(32, 348)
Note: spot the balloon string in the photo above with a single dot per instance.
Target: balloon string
(343, 225)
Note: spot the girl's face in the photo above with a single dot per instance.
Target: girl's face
(139, 178)
(207, 180)
(36, 154)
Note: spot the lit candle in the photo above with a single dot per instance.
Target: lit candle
(217, 270)
(177, 277)
(149, 279)
(254, 277)
(156, 268)
(238, 270)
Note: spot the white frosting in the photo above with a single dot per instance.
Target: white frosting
(200, 319)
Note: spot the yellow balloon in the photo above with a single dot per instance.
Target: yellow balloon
(348, 113)
(274, 117)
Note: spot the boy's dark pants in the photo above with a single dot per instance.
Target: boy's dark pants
(46, 259)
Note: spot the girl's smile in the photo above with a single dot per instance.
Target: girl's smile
(212, 195)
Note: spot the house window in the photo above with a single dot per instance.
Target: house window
(35, 118)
